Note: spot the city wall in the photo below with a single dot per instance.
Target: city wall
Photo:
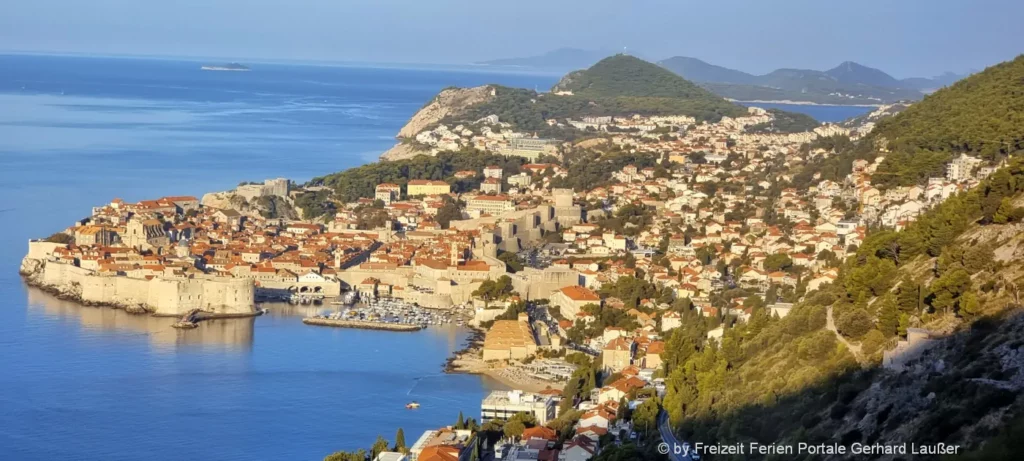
(159, 296)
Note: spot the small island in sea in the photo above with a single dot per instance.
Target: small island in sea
(233, 66)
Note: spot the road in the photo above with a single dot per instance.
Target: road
(670, 438)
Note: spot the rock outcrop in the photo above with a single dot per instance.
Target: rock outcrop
(402, 151)
(449, 102)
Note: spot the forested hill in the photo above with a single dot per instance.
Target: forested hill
(980, 115)
(624, 75)
(816, 376)
(618, 85)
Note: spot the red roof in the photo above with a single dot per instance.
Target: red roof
(579, 293)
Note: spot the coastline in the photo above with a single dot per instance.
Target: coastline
(800, 103)
(468, 361)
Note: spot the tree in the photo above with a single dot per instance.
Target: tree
(854, 324)
(622, 414)
(381, 445)
(491, 290)
(514, 428)
(947, 290)
(347, 456)
(778, 262)
(450, 211)
(512, 261)
(400, 441)
(888, 315)
(645, 417)
(461, 422)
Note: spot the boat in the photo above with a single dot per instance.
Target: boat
(412, 405)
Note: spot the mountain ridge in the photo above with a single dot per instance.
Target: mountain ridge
(849, 83)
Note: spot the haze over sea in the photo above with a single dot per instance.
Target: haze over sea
(94, 383)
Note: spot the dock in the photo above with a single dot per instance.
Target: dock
(366, 325)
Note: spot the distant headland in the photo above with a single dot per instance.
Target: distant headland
(234, 66)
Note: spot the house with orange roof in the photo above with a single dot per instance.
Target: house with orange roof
(571, 299)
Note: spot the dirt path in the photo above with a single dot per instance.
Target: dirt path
(853, 348)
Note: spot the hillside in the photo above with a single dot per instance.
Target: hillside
(981, 115)
(626, 76)
(616, 85)
(857, 74)
(699, 71)
(848, 83)
(817, 375)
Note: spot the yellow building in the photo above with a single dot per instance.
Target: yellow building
(427, 187)
(509, 340)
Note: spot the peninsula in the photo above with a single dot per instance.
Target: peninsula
(660, 253)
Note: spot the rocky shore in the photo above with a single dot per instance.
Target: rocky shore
(469, 360)
(31, 271)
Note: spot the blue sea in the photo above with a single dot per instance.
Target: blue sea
(86, 383)
(820, 112)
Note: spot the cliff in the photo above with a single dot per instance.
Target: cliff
(171, 297)
(402, 151)
(269, 206)
(449, 102)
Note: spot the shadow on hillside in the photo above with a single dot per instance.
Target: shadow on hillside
(961, 391)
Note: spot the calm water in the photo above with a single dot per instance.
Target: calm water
(97, 384)
(821, 113)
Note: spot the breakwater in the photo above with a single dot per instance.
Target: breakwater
(360, 324)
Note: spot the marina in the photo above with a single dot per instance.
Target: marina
(385, 311)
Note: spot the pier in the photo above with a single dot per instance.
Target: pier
(339, 323)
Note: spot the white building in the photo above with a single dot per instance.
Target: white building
(505, 404)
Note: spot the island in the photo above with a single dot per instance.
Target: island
(230, 67)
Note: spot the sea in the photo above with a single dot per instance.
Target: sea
(88, 383)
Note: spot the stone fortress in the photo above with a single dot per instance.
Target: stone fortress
(161, 296)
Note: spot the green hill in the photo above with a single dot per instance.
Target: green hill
(618, 85)
(623, 75)
(980, 115)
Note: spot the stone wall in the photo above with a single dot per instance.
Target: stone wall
(159, 296)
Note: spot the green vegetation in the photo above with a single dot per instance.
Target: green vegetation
(272, 207)
(316, 204)
(618, 85)
(770, 379)
(632, 85)
(60, 237)
(347, 456)
(400, 442)
(588, 169)
(361, 182)
(785, 122)
(512, 261)
(493, 290)
(980, 115)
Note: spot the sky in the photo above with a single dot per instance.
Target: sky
(903, 37)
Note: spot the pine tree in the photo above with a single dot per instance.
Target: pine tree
(904, 324)
(461, 423)
(888, 315)
(400, 441)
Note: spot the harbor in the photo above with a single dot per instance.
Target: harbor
(383, 314)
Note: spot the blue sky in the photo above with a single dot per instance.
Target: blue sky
(903, 37)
